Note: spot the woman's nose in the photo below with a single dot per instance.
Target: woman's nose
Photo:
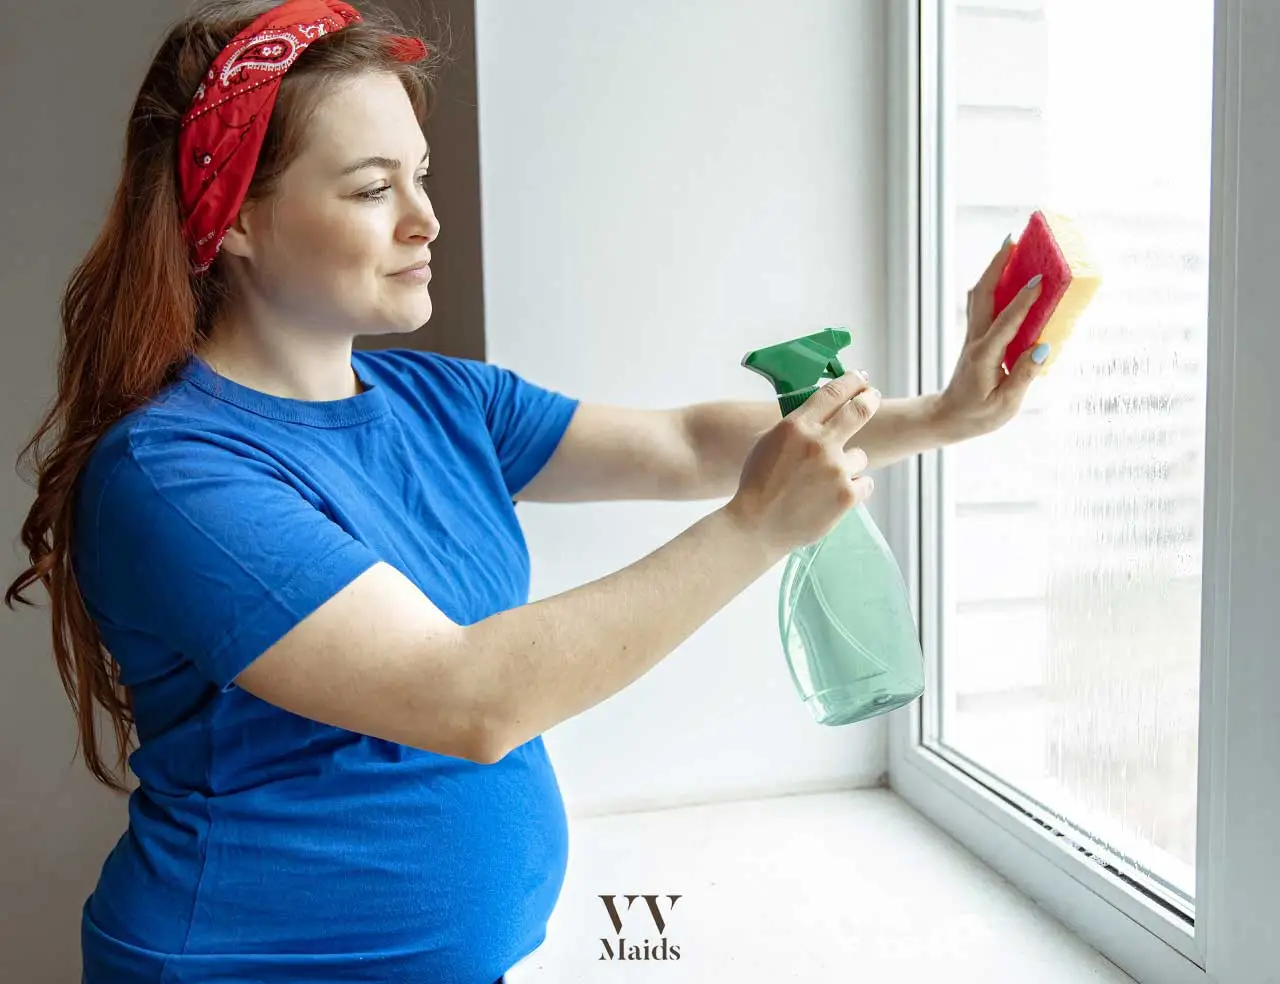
(421, 222)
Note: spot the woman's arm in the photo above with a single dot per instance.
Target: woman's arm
(380, 659)
(720, 434)
(697, 452)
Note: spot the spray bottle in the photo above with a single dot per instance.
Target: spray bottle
(844, 613)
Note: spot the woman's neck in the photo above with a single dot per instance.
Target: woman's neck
(297, 367)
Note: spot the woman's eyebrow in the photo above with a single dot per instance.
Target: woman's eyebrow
(390, 163)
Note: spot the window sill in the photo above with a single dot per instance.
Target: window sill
(802, 888)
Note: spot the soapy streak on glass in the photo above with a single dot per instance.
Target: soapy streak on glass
(1071, 540)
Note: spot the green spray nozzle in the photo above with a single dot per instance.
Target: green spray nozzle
(795, 367)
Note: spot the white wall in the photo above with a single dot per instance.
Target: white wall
(665, 186)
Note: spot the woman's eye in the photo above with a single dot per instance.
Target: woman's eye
(378, 194)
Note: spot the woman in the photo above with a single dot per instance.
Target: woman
(291, 573)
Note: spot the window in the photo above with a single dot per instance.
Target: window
(1096, 584)
(1069, 542)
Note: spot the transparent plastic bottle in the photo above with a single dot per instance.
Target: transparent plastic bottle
(844, 612)
(847, 630)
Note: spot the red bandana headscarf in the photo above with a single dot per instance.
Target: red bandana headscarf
(222, 132)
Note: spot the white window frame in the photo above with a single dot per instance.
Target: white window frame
(1235, 938)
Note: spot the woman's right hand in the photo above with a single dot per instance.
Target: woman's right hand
(798, 480)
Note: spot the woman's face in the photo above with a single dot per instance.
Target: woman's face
(342, 244)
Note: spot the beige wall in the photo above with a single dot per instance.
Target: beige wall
(457, 290)
(68, 73)
(60, 162)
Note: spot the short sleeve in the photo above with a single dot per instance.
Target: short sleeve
(525, 420)
(207, 549)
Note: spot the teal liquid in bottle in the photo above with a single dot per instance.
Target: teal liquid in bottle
(846, 625)
(844, 613)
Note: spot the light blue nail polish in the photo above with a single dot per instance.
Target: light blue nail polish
(1007, 240)
(1040, 353)
(1034, 280)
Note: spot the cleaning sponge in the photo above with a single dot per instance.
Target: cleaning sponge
(1053, 246)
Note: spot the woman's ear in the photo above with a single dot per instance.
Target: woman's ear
(243, 235)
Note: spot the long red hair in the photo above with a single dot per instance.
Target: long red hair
(132, 314)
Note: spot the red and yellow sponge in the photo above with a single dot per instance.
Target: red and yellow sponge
(1053, 246)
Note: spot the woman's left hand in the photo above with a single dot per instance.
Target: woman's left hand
(981, 396)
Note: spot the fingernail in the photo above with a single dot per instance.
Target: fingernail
(1007, 240)
(863, 374)
(1040, 353)
(1034, 280)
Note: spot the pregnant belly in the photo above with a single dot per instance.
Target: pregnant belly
(427, 855)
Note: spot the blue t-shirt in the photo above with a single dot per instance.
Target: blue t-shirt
(263, 846)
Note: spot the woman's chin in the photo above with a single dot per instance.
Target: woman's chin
(404, 321)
